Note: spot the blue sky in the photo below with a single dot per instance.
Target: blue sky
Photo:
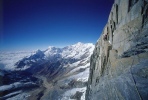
(36, 24)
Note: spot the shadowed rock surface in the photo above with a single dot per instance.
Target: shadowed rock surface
(119, 64)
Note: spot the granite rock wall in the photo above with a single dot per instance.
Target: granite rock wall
(119, 64)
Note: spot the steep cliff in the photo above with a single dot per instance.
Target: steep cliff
(119, 64)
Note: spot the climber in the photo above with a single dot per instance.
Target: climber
(105, 37)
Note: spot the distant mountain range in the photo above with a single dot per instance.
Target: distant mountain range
(60, 73)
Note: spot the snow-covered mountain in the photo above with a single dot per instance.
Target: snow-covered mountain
(52, 54)
(63, 71)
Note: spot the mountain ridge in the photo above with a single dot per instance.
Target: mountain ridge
(18, 55)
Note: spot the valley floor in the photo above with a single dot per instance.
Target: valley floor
(42, 91)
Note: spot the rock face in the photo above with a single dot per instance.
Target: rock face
(119, 64)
